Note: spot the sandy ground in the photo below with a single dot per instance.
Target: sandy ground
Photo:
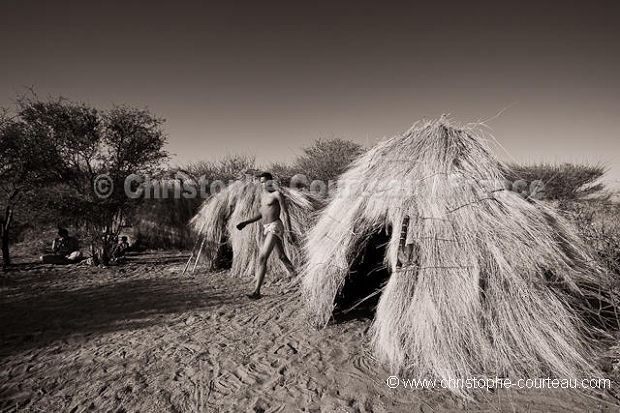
(142, 337)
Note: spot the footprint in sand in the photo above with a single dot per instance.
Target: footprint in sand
(288, 349)
(228, 383)
(363, 363)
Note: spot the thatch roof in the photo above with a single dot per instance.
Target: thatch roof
(497, 283)
(216, 223)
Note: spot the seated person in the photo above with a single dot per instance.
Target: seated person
(66, 249)
(121, 248)
(118, 251)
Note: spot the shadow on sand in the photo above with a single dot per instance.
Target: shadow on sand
(36, 315)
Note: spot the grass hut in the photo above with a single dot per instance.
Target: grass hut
(224, 245)
(482, 281)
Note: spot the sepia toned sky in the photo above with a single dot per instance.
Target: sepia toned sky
(268, 78)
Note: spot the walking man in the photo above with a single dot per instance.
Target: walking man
(271, 205)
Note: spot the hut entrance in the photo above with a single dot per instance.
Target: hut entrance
(368, 274)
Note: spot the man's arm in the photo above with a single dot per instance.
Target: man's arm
(56, 244)
(242, 225)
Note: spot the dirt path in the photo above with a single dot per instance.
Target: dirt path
(143, 337)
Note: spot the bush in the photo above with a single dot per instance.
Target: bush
(163, 223)
(598, 224)
(576, 191)
(282, 172)
(561, 181)
(225, 169)
(327, 159)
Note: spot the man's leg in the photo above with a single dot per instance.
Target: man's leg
(285, 260)
(263, 257)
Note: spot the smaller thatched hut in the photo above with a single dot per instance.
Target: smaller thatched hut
(482, 281)
(223, 245)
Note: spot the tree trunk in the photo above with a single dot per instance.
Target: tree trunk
(4, 230)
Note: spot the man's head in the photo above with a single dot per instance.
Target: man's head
(62, 232)
(265, 176)
(266, 179)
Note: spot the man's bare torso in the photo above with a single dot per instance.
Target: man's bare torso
(270, 207)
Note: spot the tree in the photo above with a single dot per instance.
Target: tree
(62, 149)
(26, 164)
(327, 159)
(75, 131)
(133, 141)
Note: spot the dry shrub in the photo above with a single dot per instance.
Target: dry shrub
(224, 169)
(162, 223)
(598, 224)
(498, 285)
(161, 218)
(564, 181)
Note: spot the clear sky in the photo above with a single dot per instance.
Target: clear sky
(267, 78)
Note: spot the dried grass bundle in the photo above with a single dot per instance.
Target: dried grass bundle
(497, 283)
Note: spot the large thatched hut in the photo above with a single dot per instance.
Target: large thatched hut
(223, 245)
(481, 280)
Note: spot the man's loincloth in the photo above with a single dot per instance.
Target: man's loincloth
(276, 228)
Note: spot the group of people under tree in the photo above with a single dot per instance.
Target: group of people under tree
(66, 249)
